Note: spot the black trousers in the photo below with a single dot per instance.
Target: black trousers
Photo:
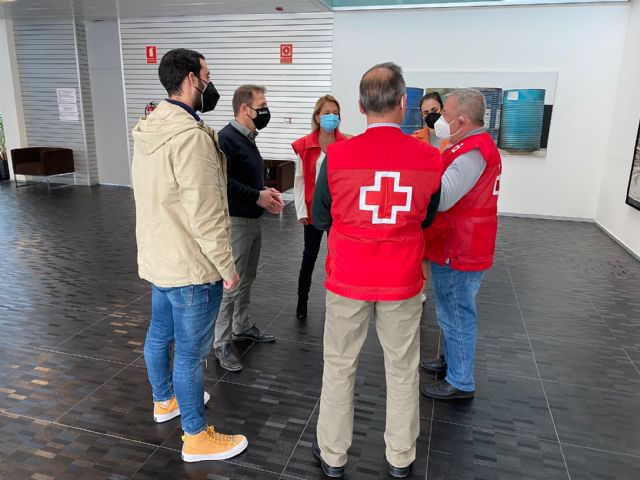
(312, 240)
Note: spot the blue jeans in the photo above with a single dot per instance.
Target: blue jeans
(455, 297)
(186, 316)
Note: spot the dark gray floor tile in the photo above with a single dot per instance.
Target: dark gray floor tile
(166, 464)
(124, 407)
(141, 307)
(602, 367)
(366, 457)
(500, 292)
(589, 464)
(271, 421)
(626, 331)
(16, 430)
(76, 293)
(461, 453)
(505, 353)
(556, 301)
(502, 404)
(67, 453)
(576, 287)
(587, 330)
(45, 385)
(502, 319)
(41, 326)
(601, 419)
(117, 337)
(296, 368)
(288, 367)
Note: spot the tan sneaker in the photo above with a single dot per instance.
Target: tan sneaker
(212, 445)
(167, 410)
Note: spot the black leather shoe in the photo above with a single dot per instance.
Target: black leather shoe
(398, 472)
(227, 359)
(301, 309)
(329, 471)
(441, 390)
(436, 365)
(254, 335)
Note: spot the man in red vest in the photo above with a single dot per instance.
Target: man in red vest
(376, 191)
(463, 238)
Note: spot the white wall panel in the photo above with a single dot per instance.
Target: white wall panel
(584, 44)
(52, 54)
(238, 49)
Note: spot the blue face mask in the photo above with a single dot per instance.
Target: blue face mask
(329, 122)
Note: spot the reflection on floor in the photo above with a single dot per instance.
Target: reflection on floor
(557, 365)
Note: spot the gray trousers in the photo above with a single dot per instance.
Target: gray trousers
(246, 241)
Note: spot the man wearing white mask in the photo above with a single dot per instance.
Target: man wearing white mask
(462, 241)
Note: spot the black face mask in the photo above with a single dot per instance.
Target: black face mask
(431, 118)
(208, 98)
(263, 117)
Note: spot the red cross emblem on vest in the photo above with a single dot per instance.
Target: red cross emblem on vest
(385, 198)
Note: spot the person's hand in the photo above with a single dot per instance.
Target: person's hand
(304, 221)
(274, 209)
(271, 200)
(231, 284)
(278, 197)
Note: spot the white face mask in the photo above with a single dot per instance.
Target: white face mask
(443, 129)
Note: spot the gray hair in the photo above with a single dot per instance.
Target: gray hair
(244, 94)
(381, 88)
(471, 103)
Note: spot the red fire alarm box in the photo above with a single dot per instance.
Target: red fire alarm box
(286, 53)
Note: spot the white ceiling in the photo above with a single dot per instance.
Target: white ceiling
(111, 9)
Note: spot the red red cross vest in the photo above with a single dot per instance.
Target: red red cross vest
(465, 235)
(380, 184)
(308, 149)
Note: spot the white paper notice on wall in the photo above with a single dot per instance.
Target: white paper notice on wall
(67, 105)
(512, 96)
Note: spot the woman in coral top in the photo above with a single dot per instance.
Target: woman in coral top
(311, 150)
(430, 107)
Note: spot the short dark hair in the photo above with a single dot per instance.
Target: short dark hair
(432, 96)
(244, 94)
(381, 88)
(175, 65)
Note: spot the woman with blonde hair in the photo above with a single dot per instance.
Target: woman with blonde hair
(311, 151)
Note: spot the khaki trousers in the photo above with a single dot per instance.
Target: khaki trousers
(345, 330)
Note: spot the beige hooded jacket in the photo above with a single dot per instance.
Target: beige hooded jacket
(180, 188)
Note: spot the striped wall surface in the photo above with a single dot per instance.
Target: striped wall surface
(86, 105)
(51, 55)
(239, 49)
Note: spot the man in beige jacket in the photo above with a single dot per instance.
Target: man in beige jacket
(182, 230)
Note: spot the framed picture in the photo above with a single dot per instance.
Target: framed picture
(633, 192)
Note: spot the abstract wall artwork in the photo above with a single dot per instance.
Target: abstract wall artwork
(519, 104)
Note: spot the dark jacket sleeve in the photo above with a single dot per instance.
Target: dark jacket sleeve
(432, 209)
(321, 207)
(236, 190)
